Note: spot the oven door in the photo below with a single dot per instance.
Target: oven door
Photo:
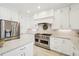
(44, 44)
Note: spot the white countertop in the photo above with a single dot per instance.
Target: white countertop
(13, 44)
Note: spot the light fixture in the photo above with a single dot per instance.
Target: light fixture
(38, 7)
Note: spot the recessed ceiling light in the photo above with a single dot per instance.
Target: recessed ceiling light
(38, 7)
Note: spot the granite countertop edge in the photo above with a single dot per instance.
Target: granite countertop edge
(15, 47)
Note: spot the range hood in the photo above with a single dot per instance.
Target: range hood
(44, 28)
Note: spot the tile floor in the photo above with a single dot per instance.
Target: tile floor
(38, 51)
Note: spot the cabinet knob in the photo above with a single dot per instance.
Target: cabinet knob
(22, 48)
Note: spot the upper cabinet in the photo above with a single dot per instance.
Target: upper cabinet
(44, 17)
(74, 16)
(57, 19)
(61, 18)
(65, 18)
(44, 14)
(14, 16)
(7, 14)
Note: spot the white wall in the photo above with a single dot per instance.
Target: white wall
(26, 22)
(8, 14)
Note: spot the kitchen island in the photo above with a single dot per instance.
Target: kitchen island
(18, 47)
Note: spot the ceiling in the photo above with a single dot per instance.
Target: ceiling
(31, 8)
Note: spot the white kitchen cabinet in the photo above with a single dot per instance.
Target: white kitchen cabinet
(76, 51)
(58, 45)
(52, 47)
(62, 18)
(67, 47)
(54, 44)
(74, 16)
(62, 45)
(29, 49)
(26, 50)
(50, 13)
(12, 53)
(57, 19)
(7, 14)
(40, 15)
(14, 16)
(67, 17)
(65, 23)
(4, 13)
(44, 14)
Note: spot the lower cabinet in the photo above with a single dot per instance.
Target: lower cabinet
(62, 45)
(26, 50)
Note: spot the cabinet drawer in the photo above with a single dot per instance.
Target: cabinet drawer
(26, 50)
(12, 53)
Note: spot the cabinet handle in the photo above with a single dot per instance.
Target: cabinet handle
(70, 8)
(22, 48)
(73, 54)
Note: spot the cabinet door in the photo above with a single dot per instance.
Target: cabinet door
(26, 50)
(52, 43)
(62, 45)
(65, 18)
(12, 53)
(29, 50)
(58, 44)
(57, 20)
(62, 18)
(76, 51)
(22, 53)
(67, 47)
(74, 16)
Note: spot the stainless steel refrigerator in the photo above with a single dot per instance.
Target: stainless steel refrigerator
(9, 29)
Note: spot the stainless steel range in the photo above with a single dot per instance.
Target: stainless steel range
(42, 40)
(42, 37)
